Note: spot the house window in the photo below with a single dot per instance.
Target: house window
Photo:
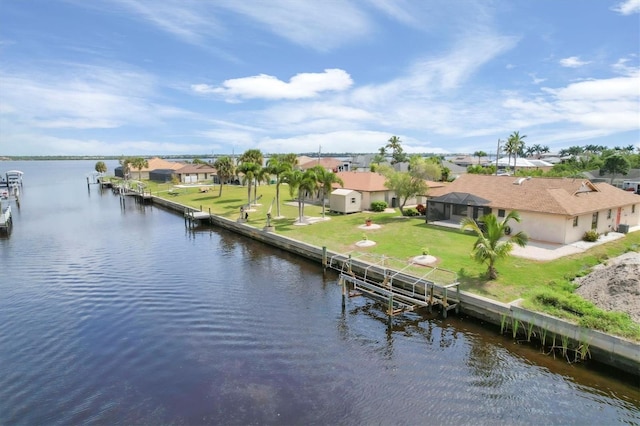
(575, 221)
(500, 212)
(353, 200)
(609, 214)
(594, 221)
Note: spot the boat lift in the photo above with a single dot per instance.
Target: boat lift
(403, 289)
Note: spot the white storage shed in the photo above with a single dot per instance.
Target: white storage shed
(345, 201)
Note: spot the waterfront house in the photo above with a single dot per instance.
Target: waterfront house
(552, 210)
(192, 173)
(371, 186)
(153, 164)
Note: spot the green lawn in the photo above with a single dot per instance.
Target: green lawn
(544, 286)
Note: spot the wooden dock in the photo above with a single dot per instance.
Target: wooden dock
(6, 220)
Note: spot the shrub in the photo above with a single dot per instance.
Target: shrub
(591, 236)
(410, 212)
(378, 206)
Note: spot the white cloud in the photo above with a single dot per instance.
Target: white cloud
(627, 7)
(537, 80)
(573, 62)
(300, 86)
(322, 25)
(604, 105)
(185, 19)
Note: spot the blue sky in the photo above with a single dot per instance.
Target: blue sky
(143, 77)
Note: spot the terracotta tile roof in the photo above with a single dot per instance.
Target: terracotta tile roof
(196, 168)
(563, 196)
(158, 163)
(328, 163)
(362, 181)
(371, 182)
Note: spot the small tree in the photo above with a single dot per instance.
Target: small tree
(101, 167)
(404, 184)
(125, 163)
(489, 247)
(615, 164)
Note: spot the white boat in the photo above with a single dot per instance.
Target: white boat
(12, 178)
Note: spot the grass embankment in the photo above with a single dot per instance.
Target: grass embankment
(544, 286)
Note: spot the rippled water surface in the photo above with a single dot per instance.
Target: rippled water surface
(117, 315)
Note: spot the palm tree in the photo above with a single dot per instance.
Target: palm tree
(262, 175)
(325, 180)
(101, 167)
(253, 156)
(300, 182)
(489, 247)
(139, 163)
(125, 163)
(277, 166)
(249, 171)
(516, 145)
(225, 170)
(397, 154)
(479, 154)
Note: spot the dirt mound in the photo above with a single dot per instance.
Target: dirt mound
(614, 286)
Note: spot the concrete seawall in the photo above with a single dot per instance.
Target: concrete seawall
(610, 350)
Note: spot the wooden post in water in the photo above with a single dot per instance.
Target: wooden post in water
(444, 303)
(344, 290)
(324, 258)
(390, 310)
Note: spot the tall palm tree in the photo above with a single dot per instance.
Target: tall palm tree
(516, 145)
(253, 156)
(301, 183)
(262, 175)
(397, 153)
(139, 163)
(489, 247)
(249, 172)
(225, 170)
(325, 180)
(277, 166)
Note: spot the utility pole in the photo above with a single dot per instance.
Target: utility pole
(497, 156)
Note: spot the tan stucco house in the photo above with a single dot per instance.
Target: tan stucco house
(557, 210)
(154, 164)
(192, 173)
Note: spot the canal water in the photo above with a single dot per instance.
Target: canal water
(121, 315)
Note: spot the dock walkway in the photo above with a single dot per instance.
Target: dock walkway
(5, 219)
